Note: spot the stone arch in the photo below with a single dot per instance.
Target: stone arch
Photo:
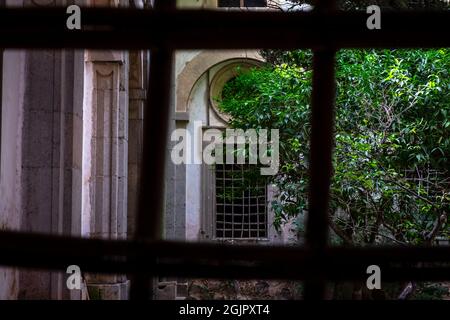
(225, 74)
(196, 67)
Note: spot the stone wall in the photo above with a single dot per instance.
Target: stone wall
(64, 164)
(10, 158)
(41, 155)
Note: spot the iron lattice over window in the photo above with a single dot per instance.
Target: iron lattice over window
(241, 209)
(325, 30)
(428, 181)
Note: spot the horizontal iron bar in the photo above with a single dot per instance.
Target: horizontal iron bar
(219, 261)
(104, 28)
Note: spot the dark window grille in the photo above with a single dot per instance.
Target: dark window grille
(241, 209)
(427, 180)
(324, 30)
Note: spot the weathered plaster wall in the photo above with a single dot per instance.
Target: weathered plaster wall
(42, 117)
(42, 139)
(51, 157)
(198, 115)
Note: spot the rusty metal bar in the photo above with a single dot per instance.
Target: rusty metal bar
(220, 261)
(320, 170)
(149, 222)
(188, 29)
(320, 164)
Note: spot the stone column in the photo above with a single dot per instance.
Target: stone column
(105, 159)
(105, 156)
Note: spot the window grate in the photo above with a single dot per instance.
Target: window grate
(324, 30)
(427, 180)
(241, 209)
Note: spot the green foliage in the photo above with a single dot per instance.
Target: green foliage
(392, 115)
(431, 291)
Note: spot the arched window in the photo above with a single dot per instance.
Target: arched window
(236, 199)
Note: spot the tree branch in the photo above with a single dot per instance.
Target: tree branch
(429, 238)
(347, 240)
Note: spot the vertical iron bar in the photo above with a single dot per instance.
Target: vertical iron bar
(322, 127)
(322, 130)
(150, 216)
